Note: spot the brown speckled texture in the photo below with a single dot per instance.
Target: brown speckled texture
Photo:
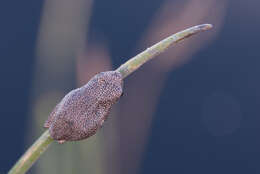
(82, 111)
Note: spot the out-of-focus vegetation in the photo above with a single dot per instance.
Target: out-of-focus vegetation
(65, 55)
(194, 109)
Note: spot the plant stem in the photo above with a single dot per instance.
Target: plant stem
(137, 61)
(34, 152)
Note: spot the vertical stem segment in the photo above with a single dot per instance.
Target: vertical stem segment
(137, 61)
(32, 154)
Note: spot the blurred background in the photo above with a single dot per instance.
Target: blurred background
(193, 109)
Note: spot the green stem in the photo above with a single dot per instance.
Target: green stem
(32, 154)
(35, 151)
(137, 61)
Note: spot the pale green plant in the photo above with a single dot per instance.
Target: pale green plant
(40, 145)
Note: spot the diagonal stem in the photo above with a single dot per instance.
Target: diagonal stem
(32, 154)
(137, 61)
(35, 151)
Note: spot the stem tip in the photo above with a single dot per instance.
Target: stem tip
(205, 26)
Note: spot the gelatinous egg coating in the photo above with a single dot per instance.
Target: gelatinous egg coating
(82, 111)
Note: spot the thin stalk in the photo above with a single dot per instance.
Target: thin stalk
(32, 154)
(137, 61)
(35, 151)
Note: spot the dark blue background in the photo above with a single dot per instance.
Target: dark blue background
(180, 142)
